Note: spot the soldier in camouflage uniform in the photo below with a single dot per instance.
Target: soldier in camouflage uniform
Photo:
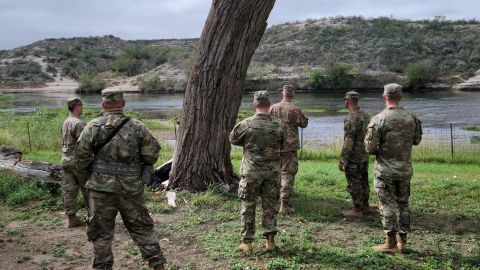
(73, 179)
(390, 136)
(261, 137)
(354, 159)
(115, 184)
(293, 118)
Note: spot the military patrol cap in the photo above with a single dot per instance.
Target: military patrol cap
(351, 95)
(73, 101)
(112, 95)
(288, 90)
(393, 90)
(262, 98)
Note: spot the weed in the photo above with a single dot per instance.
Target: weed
(22, 258)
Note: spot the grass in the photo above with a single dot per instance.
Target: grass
(444, 204)
(471, 128)
(445, 221)
(15, 191)
(44, 126)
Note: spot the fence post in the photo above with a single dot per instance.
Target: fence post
(301, 140)
(29, 140)
(451, 140)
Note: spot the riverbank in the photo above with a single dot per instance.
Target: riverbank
(37, 136)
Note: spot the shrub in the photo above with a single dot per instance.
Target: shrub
(150, 83)
(51, 69)
(90, 83)
(316, 79)
(419, 74)
(339, 76)
(126, 64)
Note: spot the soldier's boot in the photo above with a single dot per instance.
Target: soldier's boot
(390, 245)
(402, 243)
(270, 246)
(356, 211)
(156, 265)
(73, 221)
(285, 209)
(366, 210)
(246, 247)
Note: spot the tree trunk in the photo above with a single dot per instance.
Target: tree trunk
(214, 91)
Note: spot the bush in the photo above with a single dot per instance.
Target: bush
(420, 74)
(126, 64)
(316, 79)
(150, 83)
(339, 76)
(23, 70)
(51, 69)
(90, 83)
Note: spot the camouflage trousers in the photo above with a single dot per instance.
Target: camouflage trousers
(101, 226)
(289, 170)
(393, 197)
(357, 182)
(265, 185)
(73, 181)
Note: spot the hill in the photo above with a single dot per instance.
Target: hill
(370, 51)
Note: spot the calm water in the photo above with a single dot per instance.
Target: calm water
(437, 110)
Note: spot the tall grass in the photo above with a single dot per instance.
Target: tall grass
(15, 190)
(44, 127)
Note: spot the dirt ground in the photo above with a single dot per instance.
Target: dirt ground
(45, 243)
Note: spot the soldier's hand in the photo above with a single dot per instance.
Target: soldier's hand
(341, 167)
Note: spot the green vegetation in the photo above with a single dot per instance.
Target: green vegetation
(339, 76)
(380, 44)
(373, 44)
(316, 79)
(471, 128)
(445, 218)
(90, 83)
(15, 191)
(44, 126)
(419, 74)
(21, 71)
(95, 55)
(140, 58)
(153, 83)
(336, 77)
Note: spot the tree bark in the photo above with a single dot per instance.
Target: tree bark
(214, 91)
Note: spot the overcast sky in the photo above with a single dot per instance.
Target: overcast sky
(25, 21)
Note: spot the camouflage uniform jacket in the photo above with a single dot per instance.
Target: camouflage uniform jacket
(292, 117)
(262, 137)
(71, 129)
(390, 136)
(117, 167)
(355, 128)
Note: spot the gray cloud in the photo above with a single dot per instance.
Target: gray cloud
(25, 21)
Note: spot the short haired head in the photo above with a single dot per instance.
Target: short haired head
(113, 99)
(261, 99)
(393, 91)
(288, 91)
(351, 95)
(72, 103)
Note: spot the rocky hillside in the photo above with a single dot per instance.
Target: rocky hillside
(372, 51)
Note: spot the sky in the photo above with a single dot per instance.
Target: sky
(25, 21)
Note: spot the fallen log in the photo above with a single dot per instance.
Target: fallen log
(10, 159)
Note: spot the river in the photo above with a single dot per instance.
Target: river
(437, 110)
